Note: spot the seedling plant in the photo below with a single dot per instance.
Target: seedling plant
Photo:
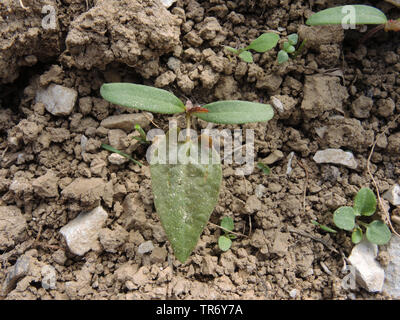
(289, 48)
(263, 43)
(225, 240)
(187, 190)
(362, 14)
(364, 206)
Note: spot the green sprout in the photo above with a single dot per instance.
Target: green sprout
(185, 190)
(323, 227)
(225, 240)
(354, 14)
(263, 43)
(264, 168)
(364, 206)
(111, 149)
(142, 135)
(289, 48)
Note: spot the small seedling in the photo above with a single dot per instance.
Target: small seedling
(289, 48)
(264, 167)
(185, 190)
(354, 15)
(142, 138)
(323, 227)
(263, 43)
(225, 240)
(364, 206)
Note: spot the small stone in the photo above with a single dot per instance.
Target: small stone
(127, 122)
(111, 240)
(393, 195)
(46, 185)
(361, 107)
(336, 156)
(293, 293)
(392, 270)
(115, 138)
(88, 191)
(18, 271)
(58, 100)
(117, 159)
(158, 255)
(273, 157)
(49, 277)
(168, 3)
(59, 257)
(145, 247)
(12, 227)
(281, 243)
(369, 274)
(81, 234)
(260, 190)
(174, 64)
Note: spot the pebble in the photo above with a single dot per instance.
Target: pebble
(392, 270)
(49, 277)
(117, 159)
(58, 100)
(293, 293)
(18, 271)
(174, 64)
(369, 274)
(82, 233)
(145, 247)
(393, 195)
(46, 186)
(168, 3)
(127, 122)
(273, 157)
(336, 156)
(260, 190)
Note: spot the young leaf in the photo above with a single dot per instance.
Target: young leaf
(142, 97)
(264, 167)
(109, 148)
(357, 235)
(282, 56)
(246, 56)
(224, 243)
(185, 192)
(365, 202)
(378, 232)
(342, 15)
(293, 38)
(344, 218)
(323, 227)
(231, 236)
(233, 50)
(236, 112)
(288, 47)
(263, 43)
(227, 223)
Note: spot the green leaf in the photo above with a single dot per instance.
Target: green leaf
(288, 47)
(264, 167)
(246, 56)
(344, 218)
(339, 15)
(378, 232)
(231, 236)
(282, 56)
(185, 191)
(357, 235)
(109, 148)
(236, 112)
(323, 227)
(142, 97)
(365, 202)
(230, 49)
(263, 43)
(224, 243)
(293, 38)
(227, 223)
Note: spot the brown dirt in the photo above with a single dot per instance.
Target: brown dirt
(47, 179)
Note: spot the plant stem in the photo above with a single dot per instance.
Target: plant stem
(188, 124)
(365, 225)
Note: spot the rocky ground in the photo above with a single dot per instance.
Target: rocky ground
(79, 223)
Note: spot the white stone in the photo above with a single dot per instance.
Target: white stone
(168, 3)
(49, 277)
(58, 100)
(293, 293)
(84, 141)
(117, 159)
(82, 233)
(336, 156)
(392, 271)
(145, 247)
(278, 105)
(393, 195)
(369, 274)
(260, 190)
